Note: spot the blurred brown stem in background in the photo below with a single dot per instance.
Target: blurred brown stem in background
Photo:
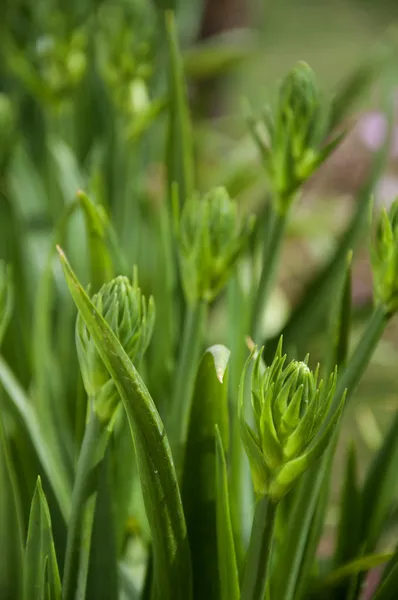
(219, 16)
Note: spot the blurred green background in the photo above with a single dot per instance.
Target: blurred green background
(82, 99)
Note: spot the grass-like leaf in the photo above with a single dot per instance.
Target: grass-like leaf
(41, 576)
(180, 144)
(350, 512)
(209, 408)
(364, 563)
(22, 406)
(388, 586)
(228, 568)
(11, 525)
(172, 566)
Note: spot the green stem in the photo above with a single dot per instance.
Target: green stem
(271, 254)
(92, 451)
(362, 354)
(185, 378)
(259, 551)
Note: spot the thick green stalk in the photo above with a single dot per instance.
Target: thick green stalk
(188, 361)
(92, 451)
(272, 249)
(259, 551)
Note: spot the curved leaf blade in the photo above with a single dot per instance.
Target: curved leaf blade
(172, 565)
(229, 576)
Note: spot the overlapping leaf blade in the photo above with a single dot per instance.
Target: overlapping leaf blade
(209, 408)
(172, 566)
(41, 577)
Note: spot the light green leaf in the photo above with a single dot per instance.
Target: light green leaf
(180, 144)
(296, 467)
(228, 569)
(172, 567)
(40, 562)
(22, 405)
(365, 563)
(96, 224)
(209, 408)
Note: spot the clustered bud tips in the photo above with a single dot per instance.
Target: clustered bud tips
(210, 242)
(291, 411)
(296, 129)
(385, 260)
(131, 319)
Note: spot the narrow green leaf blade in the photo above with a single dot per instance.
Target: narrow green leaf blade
(40, 561)
(364, 563)
(340, 322)
(180, 145)
(387, 589)
(11, 525)
(379, 488)
(350, 510)
(228, 568)
(54, 471)
(172, 566)
(209, 408)
(96, 224)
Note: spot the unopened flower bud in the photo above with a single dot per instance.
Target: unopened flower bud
(210, 243)
(131, 319)
(290, 409)
(296, 130)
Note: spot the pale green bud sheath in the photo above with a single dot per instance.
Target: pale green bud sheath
(293, 427)
(210, 241)
(131, 318)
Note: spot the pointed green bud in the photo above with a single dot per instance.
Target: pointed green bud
(297, 129)
(385, 260)
(131, 318)
(210, 242)
(293, 424)
(6, 297)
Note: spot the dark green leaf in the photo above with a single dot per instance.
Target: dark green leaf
(350, 512)
(209, 408)
(340, 322)
(380, 487)
(11, 525)
(388, 586)
(228, 569)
